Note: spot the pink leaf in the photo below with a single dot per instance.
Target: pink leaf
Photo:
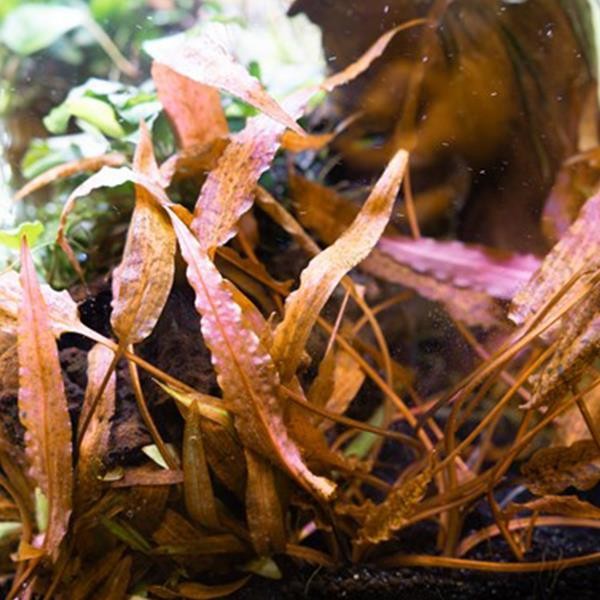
(500, 274)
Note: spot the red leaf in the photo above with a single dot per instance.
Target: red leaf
(204, 60)
(43, 407)
(245, 370)
(194, 109)
(327, 269)
(500, 274)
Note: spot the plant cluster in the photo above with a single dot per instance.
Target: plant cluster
(274, 463)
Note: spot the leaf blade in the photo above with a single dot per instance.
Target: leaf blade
(326, 270)
(245, 371)
(142, 282)
(204, 60)
(194, 109)
(43, 407)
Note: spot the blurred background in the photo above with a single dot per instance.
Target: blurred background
(492, 97)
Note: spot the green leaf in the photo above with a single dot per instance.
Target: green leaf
(105, 9)
(153, 453)
(50, 152)
(106, 107)
(33, 27)
(263, 566)
(57, 120)
(127, 534)
(361, 445)
(11, 238)
(41, 510)
(97, 113)
(7, 6)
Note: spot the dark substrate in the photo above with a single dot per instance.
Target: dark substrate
(369, 583)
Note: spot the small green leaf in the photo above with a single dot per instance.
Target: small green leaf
(106, 9)
(41, 510)
(11, 238)
(361, 445)
(57, 120)
(263, 567)
(153, 453)
(33, 27)
(127, 534)
(96, 112)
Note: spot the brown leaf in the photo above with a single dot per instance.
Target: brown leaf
(570, 426)
(321, 386)
(148, 476)
(9, 365)
(204, 60)
(142, 282)
(43, 407)
(348, 378)
(573, 185)
(263, 507)
(577, 251)
(145, 506)
(287, 222)
(194, 109)
(385, 519)
(207, 406)
(95, 443)
(62, 310)
(255, 269)
(326, 270)
(321, 208)
(567, 506)
(245, 371)
(225, 456)
(193, 162)
(228, 191)
(115, 587)
(221, 445)
(197, 486)
(327, 213)
(89, 579)
(364, 62)
(295, 143)
(191, 546)
(577, 348)
(553, 470)
(94, 163)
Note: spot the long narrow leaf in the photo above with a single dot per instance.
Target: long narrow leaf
(43, 407)
(326, 270)
(143, 280)
(245, 371)
(95, 443)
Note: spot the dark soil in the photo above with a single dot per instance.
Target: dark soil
(371, 583)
